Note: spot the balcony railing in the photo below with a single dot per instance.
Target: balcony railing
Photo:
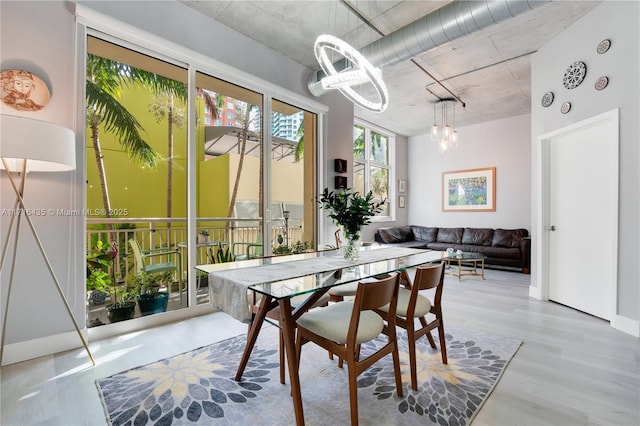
(172, 232)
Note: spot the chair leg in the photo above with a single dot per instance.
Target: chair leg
(411, 341)
(281, 350)
(396, 365)
(432, 342)
(443, 342)
(353, 389)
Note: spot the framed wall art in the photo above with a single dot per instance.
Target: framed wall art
(401, 201)
(402, 186)
(472, 190)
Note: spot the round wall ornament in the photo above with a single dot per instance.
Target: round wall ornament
(602, 82)
(565, 108)
(547, 99)
(603, 46)
(574, 75)
(23, 90)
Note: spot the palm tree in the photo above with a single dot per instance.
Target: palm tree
(105, 79)
(163, 105)
(298, 152)
(242, 140)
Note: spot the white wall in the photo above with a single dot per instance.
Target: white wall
(503, 144)
(618, 21)
(39, 37)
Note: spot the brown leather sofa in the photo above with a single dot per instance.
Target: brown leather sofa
(502, 247)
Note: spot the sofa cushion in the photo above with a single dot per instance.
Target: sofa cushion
(477, 236)
(423, 233)
(450, 235)
(508, 237)
(395, 234)
(501, 252)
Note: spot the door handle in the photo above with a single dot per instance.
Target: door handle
(552, 228)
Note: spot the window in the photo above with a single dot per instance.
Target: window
(372, 159)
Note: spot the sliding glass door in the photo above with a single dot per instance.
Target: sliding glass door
(253, 166)
(293, 182)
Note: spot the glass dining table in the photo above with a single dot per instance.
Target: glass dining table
(278, 279)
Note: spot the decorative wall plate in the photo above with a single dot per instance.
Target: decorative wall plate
(602, 82)
(603, 46)
(565, 108)
(547, 99)
(574, 75)
(23, 90)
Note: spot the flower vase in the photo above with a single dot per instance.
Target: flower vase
(351, 248)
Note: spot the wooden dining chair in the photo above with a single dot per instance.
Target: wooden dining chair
(413, 305)
(276, 319)
(341, 328)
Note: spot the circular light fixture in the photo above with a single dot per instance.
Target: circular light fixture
(360, 72)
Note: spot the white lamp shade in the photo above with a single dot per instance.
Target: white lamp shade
(48, 147)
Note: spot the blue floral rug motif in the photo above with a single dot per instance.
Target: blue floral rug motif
(198, 387)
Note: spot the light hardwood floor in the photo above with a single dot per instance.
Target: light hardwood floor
(572, 369)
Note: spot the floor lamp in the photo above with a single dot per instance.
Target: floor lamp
(28, 145)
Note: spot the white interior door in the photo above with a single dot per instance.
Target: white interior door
(583, 211)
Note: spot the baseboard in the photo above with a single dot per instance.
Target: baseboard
(42, 346)
(535, 292)
(141, 323)
(50, 345)
(626, 325)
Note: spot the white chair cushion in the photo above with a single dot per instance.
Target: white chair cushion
(332, 323)
(423, 305)
(344, 290)
(297, 300)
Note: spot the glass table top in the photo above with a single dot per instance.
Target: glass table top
(464, 256)
(293, 277)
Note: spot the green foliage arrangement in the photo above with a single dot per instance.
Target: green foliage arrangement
(296, 248)
(98, 262)
(150, 284)
(101, 273)
(347, 208)
(221, 254)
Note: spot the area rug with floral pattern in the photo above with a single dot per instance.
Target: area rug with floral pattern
(198, 387)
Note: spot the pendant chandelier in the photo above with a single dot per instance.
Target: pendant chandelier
(354, 70)
(445, 134)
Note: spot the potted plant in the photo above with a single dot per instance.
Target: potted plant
(150, 299)
(348, 209)
(296, 248)
(221, 253)
(123, 298)
(203, 237)
(98, 278)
